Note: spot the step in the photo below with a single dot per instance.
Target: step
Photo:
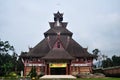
(58, 76)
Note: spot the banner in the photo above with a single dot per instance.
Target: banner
(56, 65)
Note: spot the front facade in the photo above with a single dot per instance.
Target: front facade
(58, 53)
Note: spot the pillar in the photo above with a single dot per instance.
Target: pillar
(45, 69)
(48, 70)
(24, 70)
(70, 69)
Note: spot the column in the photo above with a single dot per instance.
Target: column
(48, 70)
(45, 69)
(79, 69)
(67, 69)
(24, 70)
(70, 69)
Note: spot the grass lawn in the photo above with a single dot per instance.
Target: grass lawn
(86, 79)
(107, 78)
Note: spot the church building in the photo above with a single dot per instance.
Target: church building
(58, 53)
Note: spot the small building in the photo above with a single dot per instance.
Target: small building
(58, 53)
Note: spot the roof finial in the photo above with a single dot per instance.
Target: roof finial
(58, 16)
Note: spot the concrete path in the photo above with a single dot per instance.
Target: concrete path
(58, 77)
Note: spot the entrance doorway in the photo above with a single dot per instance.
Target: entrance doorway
(58, 71)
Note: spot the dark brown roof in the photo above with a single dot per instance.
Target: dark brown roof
(70, 45)
(76, 50)
(40, 49)
(58, 53)
(53, 39)
(55, 30)
(45, 49)
(23, 54)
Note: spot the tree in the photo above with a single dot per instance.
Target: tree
(7, 67)
(14, 61)
(116, 60)
(107, 63)
(100, 57)
(20, 65)
(111, 62)
(5, 47)
(97, 53)
(104, 56)
(6, 60)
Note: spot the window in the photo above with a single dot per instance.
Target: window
(58, 44)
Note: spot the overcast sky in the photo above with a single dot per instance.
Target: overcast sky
(94, 23)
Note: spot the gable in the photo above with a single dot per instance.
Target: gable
(58, 44)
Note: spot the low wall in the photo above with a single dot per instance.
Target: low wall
(110, 72)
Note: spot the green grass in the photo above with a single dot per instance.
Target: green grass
(8, 78)
(100, 79)
(107, 78)
(86, 79)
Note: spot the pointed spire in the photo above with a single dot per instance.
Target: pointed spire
(58, 16)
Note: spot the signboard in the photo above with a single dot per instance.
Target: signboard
(56, 65)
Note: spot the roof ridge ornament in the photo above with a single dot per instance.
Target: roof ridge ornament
(58, 16)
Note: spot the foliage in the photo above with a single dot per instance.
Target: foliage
(104, 61)
(100, 57)
(33, 72)
(116, 60)
(7, 67)
(110, 62)
(12, 74)
(96, 51)
(5, 47)
(7, 61)
(20, 65)
(107, 63)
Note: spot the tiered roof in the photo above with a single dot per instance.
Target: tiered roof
(45, 49)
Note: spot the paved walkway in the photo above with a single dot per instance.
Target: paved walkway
(58, 76)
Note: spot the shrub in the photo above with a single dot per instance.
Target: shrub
(11, 74)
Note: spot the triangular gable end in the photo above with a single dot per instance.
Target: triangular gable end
(58, 44)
